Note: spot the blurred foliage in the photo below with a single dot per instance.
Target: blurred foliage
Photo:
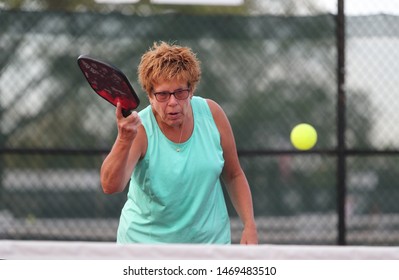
(144, 7)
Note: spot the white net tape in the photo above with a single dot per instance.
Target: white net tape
(49, 250)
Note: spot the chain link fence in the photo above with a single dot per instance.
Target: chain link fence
(268, 72)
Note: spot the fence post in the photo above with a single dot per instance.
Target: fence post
(341, 124)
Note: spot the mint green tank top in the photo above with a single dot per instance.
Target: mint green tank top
(177, 197)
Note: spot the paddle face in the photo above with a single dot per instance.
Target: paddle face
(110, 83)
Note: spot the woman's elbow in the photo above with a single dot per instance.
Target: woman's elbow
(110, 186)
(111, 189)
(107, 189)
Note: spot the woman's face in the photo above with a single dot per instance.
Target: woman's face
(173, 111)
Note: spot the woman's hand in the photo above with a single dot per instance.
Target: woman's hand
(249, 236)
(127, 127)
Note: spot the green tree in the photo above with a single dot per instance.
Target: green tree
(144, 7)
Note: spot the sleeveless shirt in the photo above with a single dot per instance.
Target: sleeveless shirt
(176, 196)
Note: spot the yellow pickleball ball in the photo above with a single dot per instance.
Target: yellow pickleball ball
(303, 136)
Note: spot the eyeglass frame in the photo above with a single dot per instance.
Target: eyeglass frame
(172, 93)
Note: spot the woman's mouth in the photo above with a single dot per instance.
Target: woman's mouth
(174, 115)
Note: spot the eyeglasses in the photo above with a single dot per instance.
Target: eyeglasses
(179, 94)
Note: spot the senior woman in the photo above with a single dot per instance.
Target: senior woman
(174, 153)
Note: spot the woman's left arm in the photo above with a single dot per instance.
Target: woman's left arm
(233, 176)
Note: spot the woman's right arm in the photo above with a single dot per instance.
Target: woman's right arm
(129, 147)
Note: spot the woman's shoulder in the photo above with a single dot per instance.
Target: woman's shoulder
(215, 108)
(146, 120)
(207, 104)
(145, 111)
